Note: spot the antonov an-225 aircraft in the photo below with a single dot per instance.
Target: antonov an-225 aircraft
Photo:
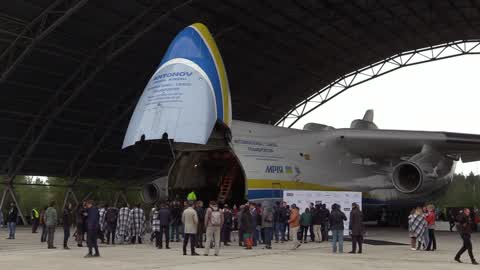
(188, 100)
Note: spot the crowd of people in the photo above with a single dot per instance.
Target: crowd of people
(421, 226)
(252, 224)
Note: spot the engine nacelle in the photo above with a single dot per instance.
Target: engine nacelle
(408, 177)
(156, 191)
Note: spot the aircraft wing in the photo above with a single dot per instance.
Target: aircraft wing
(398, 143)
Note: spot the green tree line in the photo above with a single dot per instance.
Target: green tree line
(32, 192)
(464, 191)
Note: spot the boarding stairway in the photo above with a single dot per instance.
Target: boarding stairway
(227, 184)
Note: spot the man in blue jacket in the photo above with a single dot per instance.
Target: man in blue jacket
(12, 217)
(93, 223)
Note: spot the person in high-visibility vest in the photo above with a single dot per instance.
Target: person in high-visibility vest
(35, 220)
(191, 196)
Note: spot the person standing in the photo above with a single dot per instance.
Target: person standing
(254, 215)
(51, 222)
(123, 222)
(93, 225)
(176, 222)
(317, 223)
(310, 228)
(155, 223)
(190, 221)
(35, 220)
(80, 216)
(150, 223)
(67, 223)
(280, 219)
(337, 217)
(227, 225)
(213, 223)
(101, 231)
(267, 224)
(43, 237)
(235, 217)
(12, 217)
(430, 218)
(241, 240)
(464, 227)
(324, 217)
(416, 227)
(111, 224)
(137, 224)
(288, 211)
(451, 219)
(201, 223)
(246, 226)
(294, 225)
(164, 218)
(356, 228)
(305, 222)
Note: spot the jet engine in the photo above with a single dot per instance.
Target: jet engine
(155, 191)
(422, 171)
(407, 177)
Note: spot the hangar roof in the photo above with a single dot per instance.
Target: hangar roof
(72, 70)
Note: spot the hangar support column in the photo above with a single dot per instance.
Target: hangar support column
(120, 195)
(69, 194)
(9, 190)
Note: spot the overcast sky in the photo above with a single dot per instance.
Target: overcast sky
(437, 96)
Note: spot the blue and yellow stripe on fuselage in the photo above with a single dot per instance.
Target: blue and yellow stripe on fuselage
(267, 189)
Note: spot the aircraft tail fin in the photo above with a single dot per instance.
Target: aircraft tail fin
(366, 122)
(368, 116)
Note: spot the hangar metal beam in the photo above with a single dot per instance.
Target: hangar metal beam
(52, 17)
(462, 15)
(273, 40)
(10, 191)
(81, 164)
(76, 83)
(408, 6)
(352, 19)
(412, 29)
(395, 62)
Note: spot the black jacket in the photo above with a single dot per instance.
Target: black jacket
(67, 217)
(12, 215)
(324, 215)
(317, 217)
(176, 213)
(227, 219)
(247, 225)
(164, 216)
(280, 215)
(80, 216)
(464, 225)
(336, 220)
(201, 215)
(356, 222)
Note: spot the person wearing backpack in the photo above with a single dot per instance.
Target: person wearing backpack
(213, 223)
(111, 224)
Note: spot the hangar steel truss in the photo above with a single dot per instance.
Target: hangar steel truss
(375, 70)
